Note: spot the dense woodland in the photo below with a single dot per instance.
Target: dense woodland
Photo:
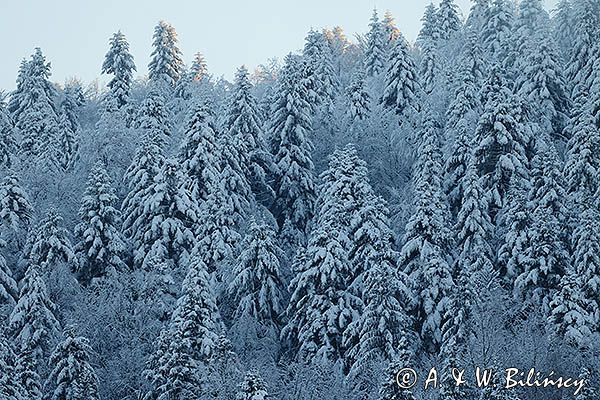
(316, 225)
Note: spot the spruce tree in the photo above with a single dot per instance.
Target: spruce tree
(563, 27)
(119, 62)
(258, 284)
(401, 84)
(166, 65)
(8, 289)
(69, 126)
(496, 32)
(430, 26)
(375, 61)
(165, 225)
(324, 81)
(424, 255)
(72, 376)
(290, 127)
(27, 376)
(33, 322)
(391, 30)
(100, 248)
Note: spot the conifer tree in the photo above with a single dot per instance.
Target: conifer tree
(424, 256)
(547, 248)
(429, 67)
(542, 83)
(159, 292)
(430, 27)
(246, 131)
(359, 98)
(199, 70)
(8, 143)
(258, 284)
(119, 62)
(401, 83)
(448, 19)
(153, 118)
(218, 238)
(27, 376)
(36, 116)
(72, 376)
(500, 140)
(15, 209)
(198, 153)
(319, 57)
(252, 388)
(190, 340)
(391, 30)
(321, 306)
(100, 248)
(582, 164)
(165, 226)
(8, 289)
(496, 33)
(563, 27)
(477, 15)
(68, 126)
(49, 243)
(462, 115)
(290, 127)
(390, 390)
(9, 387)
(375, 47)
(589, 391)
(166, 65)
(33, 323)
(138, 178)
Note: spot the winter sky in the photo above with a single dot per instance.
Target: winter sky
(74, 34)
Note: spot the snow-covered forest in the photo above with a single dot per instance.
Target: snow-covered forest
(308, 230)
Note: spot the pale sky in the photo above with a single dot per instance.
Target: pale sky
(73, 34)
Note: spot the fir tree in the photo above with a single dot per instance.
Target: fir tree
(15, 209)
(36, 117)
(390, 390)
(198, 153)
(324, 82)
(153, 118)
(589, 391)
(33, 323)
(496, 33)
(582, 164)
(9, 387)
(139, 177)
(27, 376)
(119, 62)
(189, 341)
(500, 140)
(165, 226)
(100, 248)
(218, 239)
(290, 127)
(159, 292)
(359, 98)
(563, 27)
(49, 243)
(430, 27)
(321, 306)
(375, 47)
(258, 285)
(8, 289)
(252, 388)
(199, 70)
(391, 30)
(72, 375)
(8, 143)
(166, 65)
(448, 19)
(424, 256)
(477, 15)
(68, 126)
(547, 248)
(401, 83)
